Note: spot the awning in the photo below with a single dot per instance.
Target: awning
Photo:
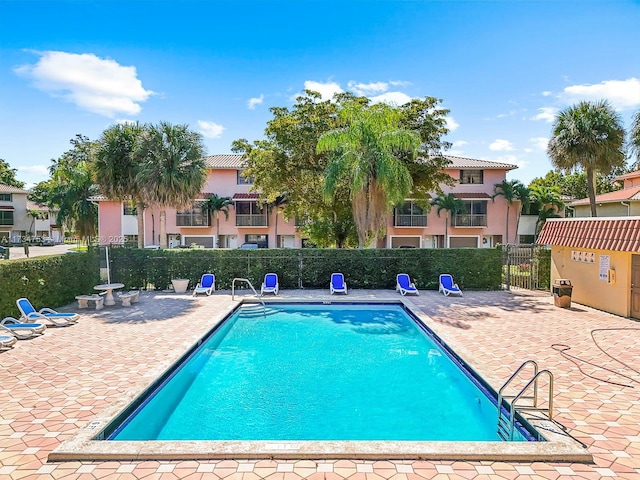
(6, 207)
(246, 196)
(472, 195)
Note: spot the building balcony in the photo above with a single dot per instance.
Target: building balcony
(252, 220)
(187, 220)
(469, 220)
(410, 221)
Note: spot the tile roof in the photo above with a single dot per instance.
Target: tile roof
(234, 161)
(632, 193)
(246, 196)
(628, 175)
(620, 234)
(462, 162)
(36, 206)
(471, 195)
(9, 189)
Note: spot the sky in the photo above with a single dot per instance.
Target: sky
(502, 68)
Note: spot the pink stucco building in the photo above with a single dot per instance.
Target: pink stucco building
(483, 224)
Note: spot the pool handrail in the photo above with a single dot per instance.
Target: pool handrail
(233, 288)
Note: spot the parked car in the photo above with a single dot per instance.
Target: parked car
(249, 245)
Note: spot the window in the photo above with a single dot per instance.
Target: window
(6, 217)
(242, 180)
(6, 197)
(192, 217)
(129, 209)
(249, 214)
(261, 240)
(474, 214)
(409, 214)
(471, 176)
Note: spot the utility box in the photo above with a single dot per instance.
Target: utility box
(562, 290)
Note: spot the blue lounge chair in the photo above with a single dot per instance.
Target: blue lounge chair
(21, 331)
(7, 341)
(207, 284)
(447, 287)
(337, 284)
(404, 285)
(270, 284)
(47, 316)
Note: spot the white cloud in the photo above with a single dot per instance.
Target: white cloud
(547, 93)
(326, 90)
(452, 125)
(366, 89)
(512, 159)
(459, 143)
(251, 104)
(36, 169)
(500, 145)
(623, 94)
(547, 114)
(539, 142)
(210, 129)
(391, 98)
(92, 83)
(399, 83)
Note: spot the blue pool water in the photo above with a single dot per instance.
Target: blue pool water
(316, 372)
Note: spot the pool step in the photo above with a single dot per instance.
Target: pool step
(254, 311)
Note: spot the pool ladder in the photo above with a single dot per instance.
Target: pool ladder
(506, 426)
(248, 282)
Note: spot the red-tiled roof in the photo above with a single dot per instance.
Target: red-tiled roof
(471, 195)
(621, 234)
(246, 196)
(617, 196)
(628, 175)
(4, 188)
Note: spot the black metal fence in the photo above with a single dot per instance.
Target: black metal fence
(526, 267)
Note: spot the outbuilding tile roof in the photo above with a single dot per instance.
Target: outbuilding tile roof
(617, 196)
(621, 234)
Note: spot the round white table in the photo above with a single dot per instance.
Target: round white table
(109, 288)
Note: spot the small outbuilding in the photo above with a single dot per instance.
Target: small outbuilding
(601, 257)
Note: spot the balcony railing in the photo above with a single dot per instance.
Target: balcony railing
(410, 221)
(251, 220)
(190, 220)
(469, 221)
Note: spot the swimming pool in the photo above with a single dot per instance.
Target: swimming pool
(317, 372)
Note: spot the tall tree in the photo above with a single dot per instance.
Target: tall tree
(452, 206)
(366, 153)
(212, 207)
(634, 137)
(512, 191)
(549, 202)
(8, 175)
(574, 185)
(116, 169)
(588, 136)
(287, 161)
(70, 189)
(172, 168)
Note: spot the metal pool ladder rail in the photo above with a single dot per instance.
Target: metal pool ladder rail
(246, 280)
(506, 426)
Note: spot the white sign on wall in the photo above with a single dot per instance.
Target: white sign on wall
(605, 265)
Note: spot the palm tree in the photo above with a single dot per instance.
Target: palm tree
(172, 168)
(588, 136)
(451, 205)
(549, 202)
(511, 190)
(213, 206)
(35, 215)
(116, 168)
(634, 135)
(366, 154)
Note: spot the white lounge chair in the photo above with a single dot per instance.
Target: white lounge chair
(447, 286)
(207, 284)
(337, 284)
(270, 284)
(404, 285)
(21, 331)
(7, 342)
(46, 315)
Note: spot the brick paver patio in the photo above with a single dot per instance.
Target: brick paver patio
(52, 386)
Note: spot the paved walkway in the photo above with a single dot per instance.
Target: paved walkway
(52, 386)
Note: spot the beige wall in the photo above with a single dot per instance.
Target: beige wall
(614, 209)
(588, 289)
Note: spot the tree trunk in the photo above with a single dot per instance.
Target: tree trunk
(163, 228)
(507, 225)
(591, 190)
(446, 226)
(140, 220)
(217, 230)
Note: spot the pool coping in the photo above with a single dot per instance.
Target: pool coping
(558, 447)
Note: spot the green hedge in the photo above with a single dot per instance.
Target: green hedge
(50, 281)
(476, 269)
